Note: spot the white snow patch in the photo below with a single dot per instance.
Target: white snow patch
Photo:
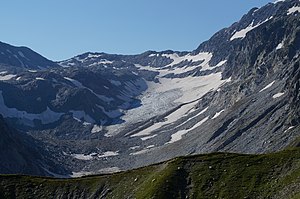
(108, 154)
(96, 129)
(153, 55)
(102, 61)
(291, 127)
(279, 46)
(82, 156)
(278, 95)
(217, 114)
(150, 146)
(46, 117)
(3, 72)
(93, 56)
(205, 57)
(242, 33)
(198, 114)
(202, 56)
(134, 147)
(199, 123)
(87, 58)
(178, 135)
(70, 64)
(18, 78)
(203, 111)
(32, 71)
(221, 63)
(277, 1)
(293, 9)
(192, 87)
(168, 120)
(39, 78)
(7, 77)
(268, 86)
(145, 150)
(86, 123)
(148, 137)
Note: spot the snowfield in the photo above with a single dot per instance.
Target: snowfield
(46, 117)
(169, 93)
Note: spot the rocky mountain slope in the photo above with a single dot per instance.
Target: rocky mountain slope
(97, 112)
(21, 154)
(218, 175)
(20, 58)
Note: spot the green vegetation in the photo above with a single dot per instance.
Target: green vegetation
(217, 175)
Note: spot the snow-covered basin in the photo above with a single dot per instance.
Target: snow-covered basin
(164, 96)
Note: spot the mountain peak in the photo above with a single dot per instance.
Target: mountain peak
(23, 58)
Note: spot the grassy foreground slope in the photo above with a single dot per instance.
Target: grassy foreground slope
(218, 175)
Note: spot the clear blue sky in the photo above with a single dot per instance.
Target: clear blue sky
(60, 29)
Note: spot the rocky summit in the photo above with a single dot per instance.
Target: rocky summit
(98, 113)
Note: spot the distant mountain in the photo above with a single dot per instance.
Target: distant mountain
(22, 58)
(98, 112)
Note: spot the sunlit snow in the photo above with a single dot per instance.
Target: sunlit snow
(293, 9)
(279, 46)
(178, 135)
(148, 137)
(82, 156)
(108, 154)
(162, 97)
(268, 86)
(278, 95)
(7, 77)
(242, 33)
(39, 78)
(96, 129)
(217, 114)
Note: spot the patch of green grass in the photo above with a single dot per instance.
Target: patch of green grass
(217, 175)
